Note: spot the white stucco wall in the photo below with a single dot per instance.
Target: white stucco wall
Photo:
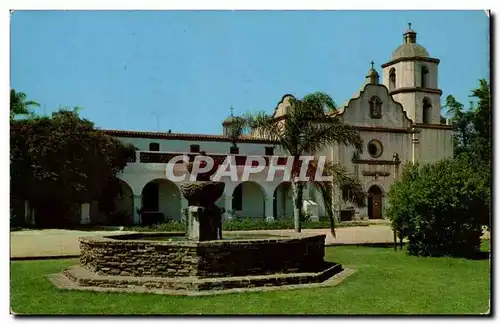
(435, 144)
(358, 110)
(284, 203)
(394, 130)
(177, 145)
(169, 200)
(253, 200)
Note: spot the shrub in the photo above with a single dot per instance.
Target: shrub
(245, 224)
(152, 218)
(439, 207)
(119, 218)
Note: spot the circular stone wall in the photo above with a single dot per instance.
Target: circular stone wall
(128, 255)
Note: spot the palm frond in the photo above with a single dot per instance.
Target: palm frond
(319, 136)
(32, 103)
(264, 125)
(320, 100)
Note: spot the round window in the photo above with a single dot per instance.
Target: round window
(375, 148)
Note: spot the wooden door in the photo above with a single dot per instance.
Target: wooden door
(375, 202)
(377, 207)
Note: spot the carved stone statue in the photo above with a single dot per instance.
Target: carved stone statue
(395, 157)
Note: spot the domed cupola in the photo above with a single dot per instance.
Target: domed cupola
(372, 77)
(409, 48)
(231, 126)
(411, 76)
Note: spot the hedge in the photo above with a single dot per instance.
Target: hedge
(247, 225)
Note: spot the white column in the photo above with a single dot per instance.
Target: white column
(306, 192)
(228, 206)
(137, 199)
(415, 147)
(184, 207)
(268, 208)
(85, 214)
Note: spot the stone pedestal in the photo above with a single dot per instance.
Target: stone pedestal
(204, 216)
(193, 225)
(204, 223)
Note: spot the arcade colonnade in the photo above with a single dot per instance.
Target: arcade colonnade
(248, 199)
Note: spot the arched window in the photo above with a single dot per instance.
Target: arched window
(424, 75)
(392, 79)
(426, 111)
(375, 107)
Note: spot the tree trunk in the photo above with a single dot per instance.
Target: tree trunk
(297, 190)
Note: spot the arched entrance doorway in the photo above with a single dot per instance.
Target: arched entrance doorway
(374, 202)
(248, 200)
(115, 207)
(162, 195)
(282, 203)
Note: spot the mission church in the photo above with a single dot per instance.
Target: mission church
(398, 118)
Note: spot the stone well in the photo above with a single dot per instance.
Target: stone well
(139, 263)
(199, 260)
(129, 255)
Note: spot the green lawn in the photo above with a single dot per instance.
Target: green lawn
(386, 282)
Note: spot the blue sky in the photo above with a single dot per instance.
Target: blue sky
(189, 67)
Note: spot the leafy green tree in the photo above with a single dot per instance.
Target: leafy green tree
(19, 105)
(483, 120)
(463, 124)
(59, 162)
(473, 133)
(307, 129)
(439, 207)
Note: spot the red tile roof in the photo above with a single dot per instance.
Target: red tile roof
(183, 136)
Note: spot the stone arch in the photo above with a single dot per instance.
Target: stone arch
(116, 207)
(282, 203)
(248, 200)
(375, 202)
(426, 110)
(164, 196)
(125, 201)
(392, 79)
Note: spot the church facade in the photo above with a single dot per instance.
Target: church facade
(397, 115)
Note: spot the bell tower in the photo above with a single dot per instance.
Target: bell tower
(412, 79)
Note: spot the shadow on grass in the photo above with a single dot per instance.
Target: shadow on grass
(480, 255)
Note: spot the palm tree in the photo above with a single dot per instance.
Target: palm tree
(341, 178)
(310, 126)
(19, 105)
